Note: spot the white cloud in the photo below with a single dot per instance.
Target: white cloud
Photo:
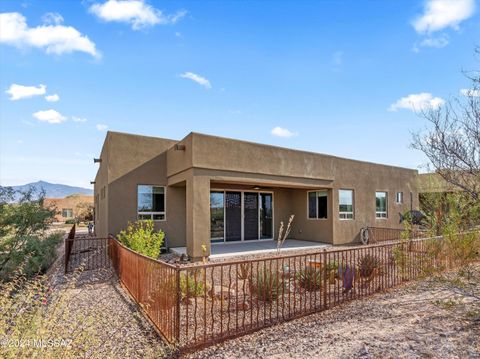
(197, 78)
(52, 98)
(18, 92)
(101, 127)
(440, 14)
(79, 119)
(52, 18)
(282, 132)
(437, 42)
(417, 102)
(54, 39)
(50, 116)
(470, 92)
(135, 12)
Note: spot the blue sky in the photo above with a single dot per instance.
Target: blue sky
(336, 77)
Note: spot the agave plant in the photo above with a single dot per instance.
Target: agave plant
(367, 265)
(267, 286)
(310, 278)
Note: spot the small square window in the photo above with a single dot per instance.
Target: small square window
(399, 197)
(67, 212)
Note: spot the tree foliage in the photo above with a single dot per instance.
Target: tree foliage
(452, 141)
(84, 211)
(23, 237)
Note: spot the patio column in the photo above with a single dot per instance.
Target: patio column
(198, 216)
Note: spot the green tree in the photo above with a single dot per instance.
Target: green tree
(23, 223)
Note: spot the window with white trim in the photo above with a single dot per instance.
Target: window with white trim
(317, 204)
(151, 202)
(399, 198)
(67, 212)
(381, 205)
(345, 203)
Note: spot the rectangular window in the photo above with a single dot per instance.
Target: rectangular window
(399, 198)
(67, 212)
(345, 203)
(151, 202)
(381, 204)
(317, 204)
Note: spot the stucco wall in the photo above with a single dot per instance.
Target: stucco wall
(228, 163)
(100, 203)
(123, 200)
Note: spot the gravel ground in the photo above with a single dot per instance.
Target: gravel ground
(114, 320)
(416, 320)
(407, 322)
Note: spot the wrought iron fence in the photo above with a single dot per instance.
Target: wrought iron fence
(201, 304)
(86, 252)
(153, 285)
(381, 234)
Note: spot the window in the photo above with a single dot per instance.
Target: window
(102, 192)
(151, 202)
(399, 198)
(67, 212)
(317, 205)
(217, 216)
(381, 204)
(345, 203)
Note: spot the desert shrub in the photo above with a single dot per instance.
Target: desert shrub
(310, 278)
(267, 286)
(367, 264)
(243, 271)
(462, 248)
(191, 285)
(22, 234)
(141, 237)
(32, 310)
(39, 254)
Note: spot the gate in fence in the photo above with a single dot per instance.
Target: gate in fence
(85, 253)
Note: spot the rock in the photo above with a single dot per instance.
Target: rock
(219, 292)
(243, 306)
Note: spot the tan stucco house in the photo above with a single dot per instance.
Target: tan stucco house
(205, 189)
(68, 207)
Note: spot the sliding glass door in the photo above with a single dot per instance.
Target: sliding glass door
(217, 216)
(266, 215)
(250, 216)
(233, 216)
(240, 216)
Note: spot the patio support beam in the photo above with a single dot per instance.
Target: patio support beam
(198, 216)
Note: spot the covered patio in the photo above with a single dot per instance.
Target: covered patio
(244, 248)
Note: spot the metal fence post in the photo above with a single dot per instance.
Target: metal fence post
(177, 303)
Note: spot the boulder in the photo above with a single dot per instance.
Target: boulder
(219, 292)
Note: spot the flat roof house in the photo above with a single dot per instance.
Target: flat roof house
(68, 207)
(207, 189)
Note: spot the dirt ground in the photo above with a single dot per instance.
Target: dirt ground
(426, 319)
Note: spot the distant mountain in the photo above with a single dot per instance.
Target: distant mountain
(54, 190)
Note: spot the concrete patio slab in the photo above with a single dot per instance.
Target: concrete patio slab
(231, 249)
